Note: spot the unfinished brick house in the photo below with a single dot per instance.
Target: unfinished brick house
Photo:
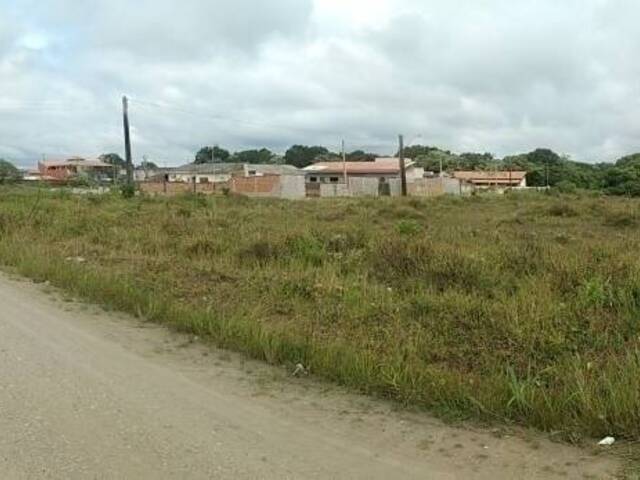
(74, 167)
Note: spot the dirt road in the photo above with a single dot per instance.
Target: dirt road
(89, 395)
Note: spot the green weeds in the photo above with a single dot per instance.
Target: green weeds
(524, 308)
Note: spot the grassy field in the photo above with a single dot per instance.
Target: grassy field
(524, 308)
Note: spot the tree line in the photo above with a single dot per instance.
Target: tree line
(298, 155)
(544, 167)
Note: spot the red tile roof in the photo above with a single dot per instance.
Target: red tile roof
(74, 161)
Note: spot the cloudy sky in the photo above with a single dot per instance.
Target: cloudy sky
(502, 76)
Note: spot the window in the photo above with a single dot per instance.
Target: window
(204, 179)
(334, 179)
(313, 179)
(253, 173)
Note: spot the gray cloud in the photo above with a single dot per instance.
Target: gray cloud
(496, 75)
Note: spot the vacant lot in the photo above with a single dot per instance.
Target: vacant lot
(524, 308)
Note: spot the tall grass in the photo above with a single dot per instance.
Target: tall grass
(524, 308)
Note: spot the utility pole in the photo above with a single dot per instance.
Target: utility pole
(127, 140)
(344, 167)
(403, 167)
(546, 173)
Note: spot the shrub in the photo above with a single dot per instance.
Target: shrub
(408, 227)
(261, 251)
(128, 190)
(565, 186)
(562, 210)
(621, 220)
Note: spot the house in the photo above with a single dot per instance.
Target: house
(381, 168)
(74, 167)
(259, 170)
(379, 177)
(202, 173)
(253, 180)
(499, 180)
(277, 181)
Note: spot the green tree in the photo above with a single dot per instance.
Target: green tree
(8, 172)
(476, 161)
(213, 154)
(361, 156)
(436, 158)
(148, 165)
(261, 156)
(546, 167)
(415, 151)
(302, 156)
(112, 159)
(624, 177)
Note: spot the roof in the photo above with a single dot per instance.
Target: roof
(226, 168)
(493, 178)
(205, 168)
(273, 169)
(387, 166)
(74, 162)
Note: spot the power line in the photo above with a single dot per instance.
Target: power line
(208, 116)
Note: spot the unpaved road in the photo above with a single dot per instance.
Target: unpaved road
(89, 395)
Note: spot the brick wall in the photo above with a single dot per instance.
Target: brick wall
(267, 186)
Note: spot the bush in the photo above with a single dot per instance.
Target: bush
(8, 172)
(128, 190)
(408, 227)
(566, 186)
(562, 210)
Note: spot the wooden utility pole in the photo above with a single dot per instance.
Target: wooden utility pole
(127, 140)
(403, 167)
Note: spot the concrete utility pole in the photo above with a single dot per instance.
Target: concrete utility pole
(403, 167)
(344, 166)
(127, 139)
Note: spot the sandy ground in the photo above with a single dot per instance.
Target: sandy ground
(86, 394)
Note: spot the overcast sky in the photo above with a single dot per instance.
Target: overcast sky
(502, 76)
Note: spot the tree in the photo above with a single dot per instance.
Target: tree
(624, 177)
(476, 161)
(361, 156)
(148, 165)
(435, 158)
(415, 151)
(302, 156)
(8, 172)
(112, 159)
(261, 156)
(213, 154)
(545, 167)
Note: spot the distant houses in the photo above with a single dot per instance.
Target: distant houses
(378, 178)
